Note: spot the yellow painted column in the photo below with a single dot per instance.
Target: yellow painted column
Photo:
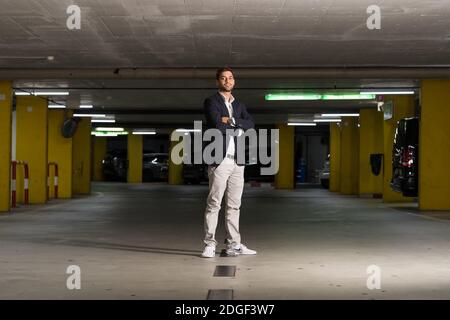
(349, 176)
(434, 146)
(370, 142)
(135, 158)
(175, 170)
(32, 143)
(335, 157)
(5, 144)
(284, 179)
(81, 158)
(100, 149)
(60, 152)
(403, 106)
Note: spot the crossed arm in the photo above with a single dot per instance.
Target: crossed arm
(214, 118)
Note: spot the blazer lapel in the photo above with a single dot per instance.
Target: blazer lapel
(235, 105)
(222, 103)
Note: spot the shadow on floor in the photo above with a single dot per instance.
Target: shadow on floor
(116, 246)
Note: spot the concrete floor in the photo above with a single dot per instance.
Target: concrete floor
(144, 241)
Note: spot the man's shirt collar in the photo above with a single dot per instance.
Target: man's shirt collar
(225, 99)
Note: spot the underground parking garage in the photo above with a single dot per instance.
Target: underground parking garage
(340, 114)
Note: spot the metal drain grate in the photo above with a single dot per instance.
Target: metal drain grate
(225, 271)
(220, 294)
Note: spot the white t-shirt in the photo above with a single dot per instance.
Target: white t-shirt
(231, 147)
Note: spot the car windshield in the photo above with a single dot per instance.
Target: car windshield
(116, 154)
(156, 158)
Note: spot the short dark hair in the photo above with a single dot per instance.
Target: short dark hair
(221, 70)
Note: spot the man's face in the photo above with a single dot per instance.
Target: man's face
(225, 81)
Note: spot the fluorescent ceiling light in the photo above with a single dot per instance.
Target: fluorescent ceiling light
(144, 132)
(339, 115)
(89, 115)
(387, 92)
(108, 133)
(188, 130)
(327, 120)
(41, 93)
(314, 96)
(307, 124)
(104, 134)
(103, 121)
(354, 96)
(51, 93)
(293, 96)
(86, 106)
(108, 129)
(56, 106)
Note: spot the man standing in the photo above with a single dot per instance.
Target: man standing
(224, 112)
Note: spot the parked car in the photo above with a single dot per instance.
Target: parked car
(252, 171)
(115, 166)
(405, 157)
(195, 173)
(155, 167)
(324, 174)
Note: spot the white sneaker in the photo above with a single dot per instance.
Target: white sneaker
(239, 249)
(209, 251)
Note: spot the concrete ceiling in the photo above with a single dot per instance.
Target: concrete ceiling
(200, 34)
(246, 33)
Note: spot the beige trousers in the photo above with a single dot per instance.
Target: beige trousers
(225, 179)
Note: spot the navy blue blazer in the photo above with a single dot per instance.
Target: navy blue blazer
(215, 109)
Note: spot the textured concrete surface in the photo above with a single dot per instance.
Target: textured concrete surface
(143, 242)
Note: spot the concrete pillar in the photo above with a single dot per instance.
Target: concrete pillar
(81, 158)
(60, 152)
(349, 177)
(32, 145)
(335, 157)
(175, 170)
(285, 178)
(135, 158)
(370, 142)
(403, 106)
(100, 145)
(6, 94)
(434, 146)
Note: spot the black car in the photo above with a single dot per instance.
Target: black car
(155, 166)
(195, 173)
(252, 172)
(324, 174)
(405, 157)
(115, 166)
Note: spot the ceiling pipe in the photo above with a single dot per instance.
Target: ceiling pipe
(242, 73)
(344, 107)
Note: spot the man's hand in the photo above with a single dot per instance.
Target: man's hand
(225, 120)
